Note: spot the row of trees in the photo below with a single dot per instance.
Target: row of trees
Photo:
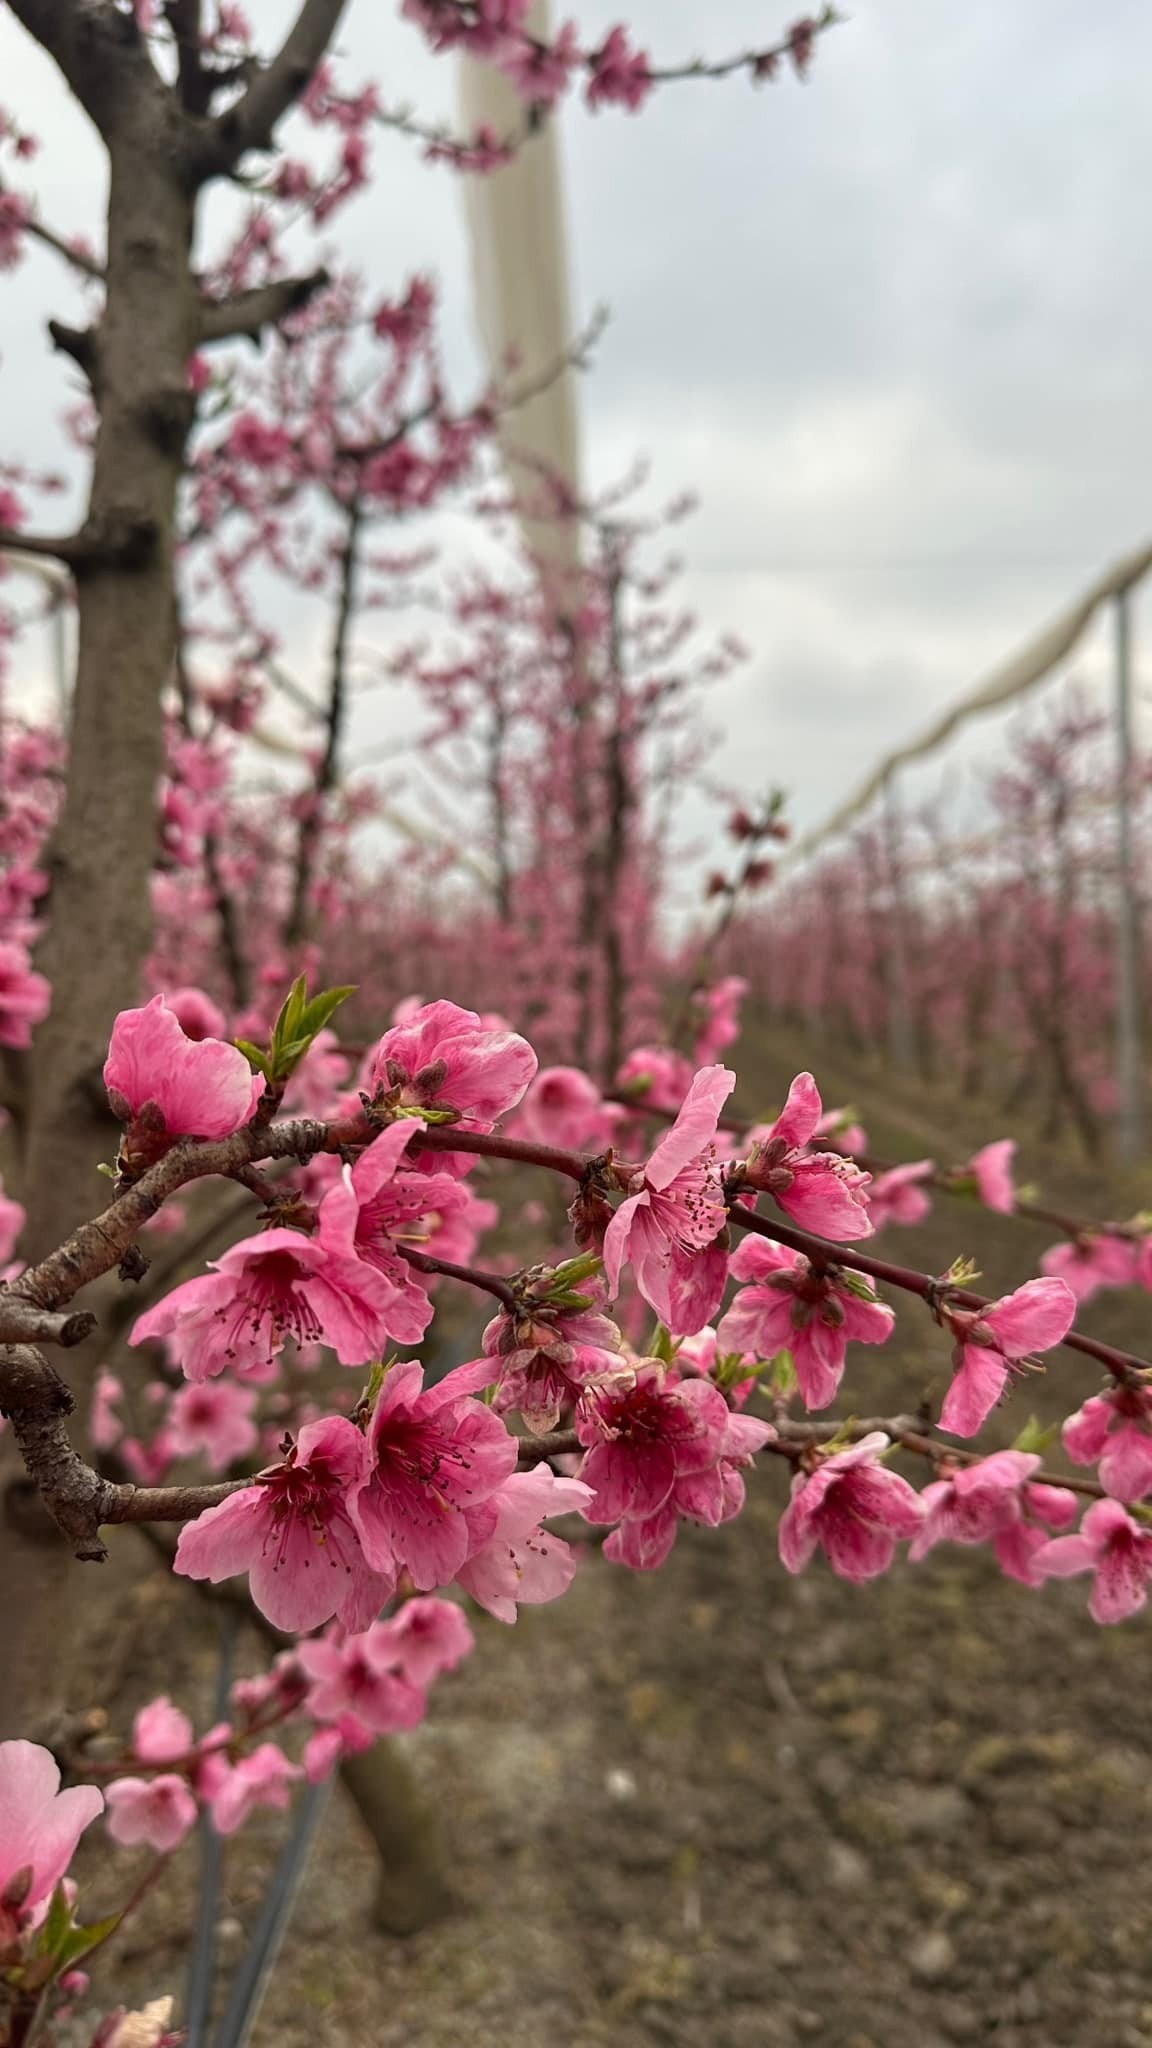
(979, 951)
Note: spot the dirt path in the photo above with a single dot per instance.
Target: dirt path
(721, 1808)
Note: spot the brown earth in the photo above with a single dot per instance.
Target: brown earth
(717, 1807)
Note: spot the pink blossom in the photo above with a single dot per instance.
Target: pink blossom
(201, 1088)
(24, 996)
(520, 1561)
(564, 1107)
(813, 1312)
(853, 1509)
(214, 1418)
(620, 76)
(711, 1496)
(12, 1218)
(992, 1501)
(542, 1357)
(39, 1825)
(670, 1229)
(161, 1734)
(197, 1015)
(436, 1457)
(159, 1811)
(359, 1215)
(822, 1190)
(292, 1531)
(263, 1291)
(1114, 1547)
(990, 1341)
(234, 1791)
(1114, 1430)
(991, 1168)
(443, 1057)
(1090, 1261)
(542, 73)
(641, 1433)
(898, 1197)
(324, 1750)
(104, 1425)
(721, 1023)
(841, 1124)
(430, 1637)
(145, 2028)
(361, 1676)
(146, 1464)
(656, 1077)
(14, 217)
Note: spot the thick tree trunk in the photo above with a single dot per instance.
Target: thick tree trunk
(53, 1611)
(99, 911)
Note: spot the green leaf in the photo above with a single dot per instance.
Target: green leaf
(324, 1006)
(783, 1378)
(574, 1270)
(857, 1284)
(62, 1941)
(301, 1018)
(256, 1059)
(1035, 1437)
(663, 1345)
(57, 1923)
(82, 1940)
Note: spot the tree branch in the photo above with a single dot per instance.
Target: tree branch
(251, 123)
(78, 258)
(60, 547)
(246, 314)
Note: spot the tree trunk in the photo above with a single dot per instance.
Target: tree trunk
(99, 922)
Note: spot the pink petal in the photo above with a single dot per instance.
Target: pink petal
(975, 1390)
(801, 1113)
(1034, 1318)
(694, 1128)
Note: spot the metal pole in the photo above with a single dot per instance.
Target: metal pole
(1129, 1035)
(896, 959)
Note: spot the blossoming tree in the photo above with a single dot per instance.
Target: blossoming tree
(688, 1310)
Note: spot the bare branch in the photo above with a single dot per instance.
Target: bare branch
(78, 258)
(61, 547)
(251, 123)
(22, 1322)
(37, 1402)
(77, 342)
(247, 314)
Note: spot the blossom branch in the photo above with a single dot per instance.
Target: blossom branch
(250, 124)
(490, 1283)
(1121, 1364)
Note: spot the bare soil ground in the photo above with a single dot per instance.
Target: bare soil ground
(717, 1807)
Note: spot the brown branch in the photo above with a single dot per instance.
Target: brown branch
(1121, 1364)
(37, 1402)
(79, 259)
(60, 547)
(22, 1322)
(490, 1283)
(247, 314)
(251, 123)
(327, 771)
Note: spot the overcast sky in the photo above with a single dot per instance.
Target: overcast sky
(892, 325)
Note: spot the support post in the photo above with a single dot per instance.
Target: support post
(1129, 1034)
(896, 949)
